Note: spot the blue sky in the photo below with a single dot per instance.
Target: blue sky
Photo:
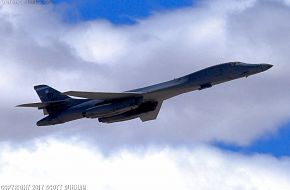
(123, 12)
(118, 11)
(198, 138)
(277, 144)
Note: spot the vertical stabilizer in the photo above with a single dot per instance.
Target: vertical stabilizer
(46, 93)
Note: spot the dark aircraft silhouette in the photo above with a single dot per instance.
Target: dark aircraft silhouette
(144, 103)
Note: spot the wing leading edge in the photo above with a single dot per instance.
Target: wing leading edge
(102, 95)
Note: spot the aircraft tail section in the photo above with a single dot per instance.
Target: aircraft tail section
(48, 94)
(52, 101)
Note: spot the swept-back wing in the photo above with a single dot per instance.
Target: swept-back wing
(102, 95)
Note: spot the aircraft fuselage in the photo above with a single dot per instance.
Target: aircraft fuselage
(144, 102)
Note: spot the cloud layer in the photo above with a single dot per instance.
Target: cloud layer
(201, 167)
(38, 47)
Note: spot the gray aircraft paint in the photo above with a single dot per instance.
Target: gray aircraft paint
(144, 103)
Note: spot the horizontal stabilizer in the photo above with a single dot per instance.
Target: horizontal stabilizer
(41, 105)
(102, 95)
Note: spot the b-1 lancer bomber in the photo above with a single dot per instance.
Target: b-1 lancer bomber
(143, 103)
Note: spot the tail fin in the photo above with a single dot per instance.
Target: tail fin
(46, 93)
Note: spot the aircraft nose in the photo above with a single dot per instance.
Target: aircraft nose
(266, 66)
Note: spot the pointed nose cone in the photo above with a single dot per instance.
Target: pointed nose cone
(266, 66)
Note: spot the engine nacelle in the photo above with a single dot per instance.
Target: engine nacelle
(134, 113)
(110, 109)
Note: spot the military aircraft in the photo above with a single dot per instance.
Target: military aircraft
(144, 103)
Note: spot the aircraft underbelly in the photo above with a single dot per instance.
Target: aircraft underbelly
(169, 92)
(60, 118)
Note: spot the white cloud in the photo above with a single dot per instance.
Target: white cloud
(200, 167)
(99, 42)
(38, 47)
